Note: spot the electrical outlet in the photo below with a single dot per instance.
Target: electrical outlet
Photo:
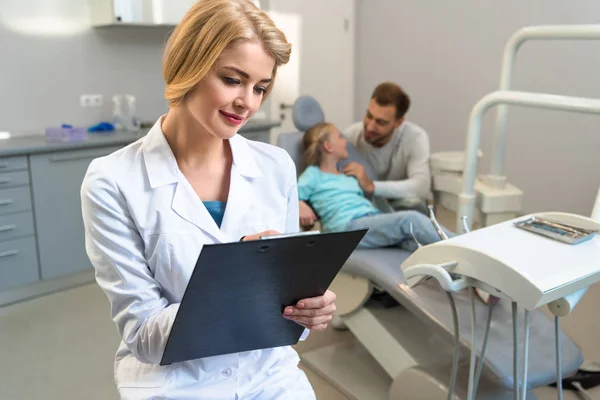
(91, 100)
(97, 100)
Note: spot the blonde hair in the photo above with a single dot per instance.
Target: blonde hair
(313, 140)
(205, 31)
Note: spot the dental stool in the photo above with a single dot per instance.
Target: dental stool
(405, 352)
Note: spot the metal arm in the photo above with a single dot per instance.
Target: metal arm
(557, 32)
(466, 201)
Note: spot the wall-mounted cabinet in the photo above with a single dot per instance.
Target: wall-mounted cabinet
(138, 12)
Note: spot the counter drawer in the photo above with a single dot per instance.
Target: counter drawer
(15, 200)
(13, 163)
(11, 179)
(16, 226)
(18, 263)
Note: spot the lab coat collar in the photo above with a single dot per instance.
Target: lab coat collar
(162, 167)
(243, 157)
(159, 160)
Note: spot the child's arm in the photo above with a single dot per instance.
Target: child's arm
(307, 183)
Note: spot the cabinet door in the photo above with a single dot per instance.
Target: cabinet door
(170, 12)
(139, 12)
(56, 180)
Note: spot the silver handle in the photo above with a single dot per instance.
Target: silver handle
(436, 224)
(5, 180)
(9, 253)
(10, 227)
(6, 202)
(74, 157)
(464, 224)
(412, 233)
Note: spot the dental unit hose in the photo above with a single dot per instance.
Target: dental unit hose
(471, 393)
(558, 357)
(484, 346)
(525, 357)
(456, 346)
(515, 351)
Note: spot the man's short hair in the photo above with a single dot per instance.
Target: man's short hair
(389, 93)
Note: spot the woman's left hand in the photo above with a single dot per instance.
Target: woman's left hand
(314, 313)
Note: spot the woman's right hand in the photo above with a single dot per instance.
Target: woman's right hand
(307, 215)
(257, 236)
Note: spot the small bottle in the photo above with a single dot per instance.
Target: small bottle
(132, 120)
(118, 118)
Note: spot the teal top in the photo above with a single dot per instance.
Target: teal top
(337, 198)
(216, 209)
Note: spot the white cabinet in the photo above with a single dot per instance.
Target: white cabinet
(138, 12)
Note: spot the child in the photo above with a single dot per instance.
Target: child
(340, 203)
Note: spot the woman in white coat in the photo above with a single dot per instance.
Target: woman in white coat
(149, 207)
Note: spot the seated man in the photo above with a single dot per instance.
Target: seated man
(340, 202)
(394, 149)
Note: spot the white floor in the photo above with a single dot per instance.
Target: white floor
(59, 346)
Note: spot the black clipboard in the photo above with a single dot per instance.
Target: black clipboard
(235, 298)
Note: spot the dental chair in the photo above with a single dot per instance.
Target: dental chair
(406, 352)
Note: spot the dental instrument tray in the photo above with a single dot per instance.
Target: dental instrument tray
(556, 230)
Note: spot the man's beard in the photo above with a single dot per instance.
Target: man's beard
(380, 141)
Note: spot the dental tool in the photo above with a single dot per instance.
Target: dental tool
(465, 224)
(412, 233)
(436, 224)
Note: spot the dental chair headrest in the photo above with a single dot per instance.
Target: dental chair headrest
(306, 113)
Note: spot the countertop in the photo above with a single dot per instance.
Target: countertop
(35, 144)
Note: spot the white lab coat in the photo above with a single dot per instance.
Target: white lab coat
(144, 228)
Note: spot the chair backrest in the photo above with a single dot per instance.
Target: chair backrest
(292, 143)
(306, 113)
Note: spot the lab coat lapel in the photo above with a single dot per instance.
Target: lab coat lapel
(162, 170)
(188, 206)
(239, 200)
(244, 173)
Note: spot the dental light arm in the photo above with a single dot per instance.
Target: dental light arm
(557, 32)
(466, 200)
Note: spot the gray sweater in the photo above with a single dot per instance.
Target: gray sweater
(402, 165)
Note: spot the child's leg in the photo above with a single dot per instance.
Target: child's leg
(393, 229)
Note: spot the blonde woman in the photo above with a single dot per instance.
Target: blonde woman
(339, 200)
(150, 207)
